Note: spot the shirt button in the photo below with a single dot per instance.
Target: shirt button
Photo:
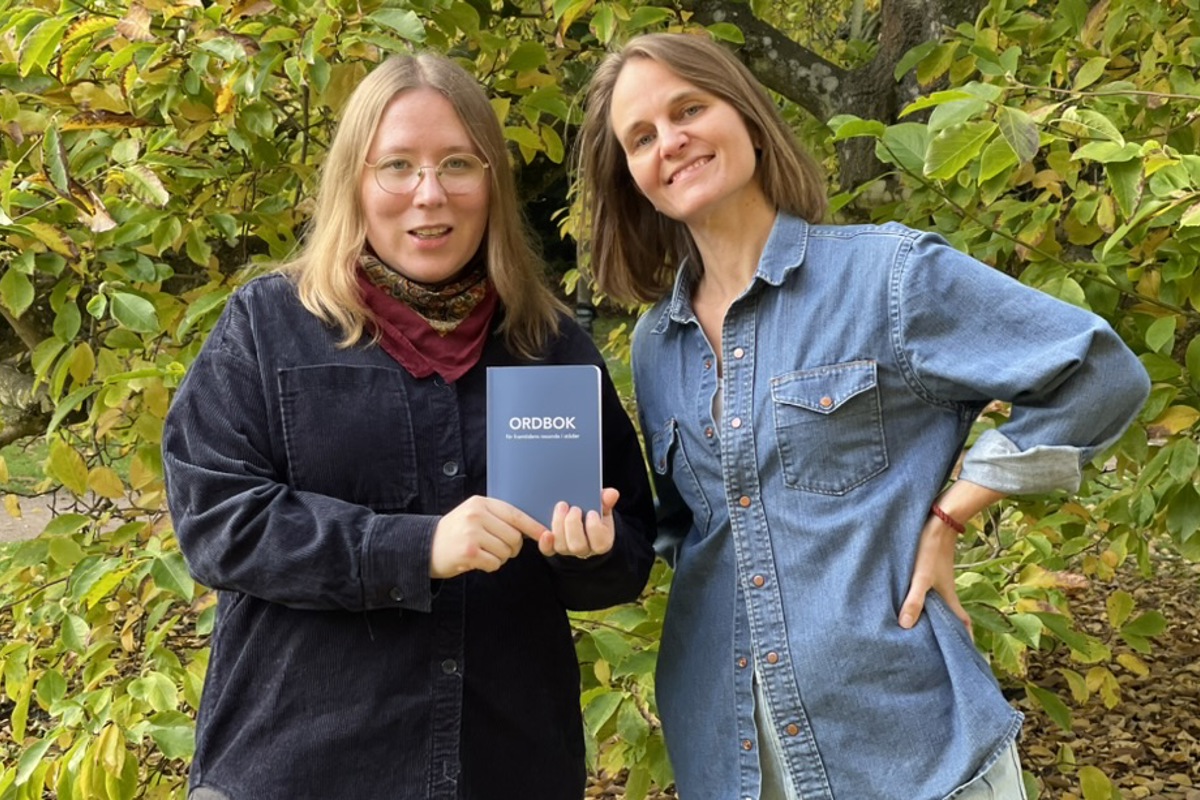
(772, 658)
(736, 422)
(758, 580)
(792, 729)
(708, 363)
(738, 352)
(747, 744)
(708, 432)
(450, 468)
(742, 662)
(825, 402)
(744, 501)
(396, 594)
(449, 666)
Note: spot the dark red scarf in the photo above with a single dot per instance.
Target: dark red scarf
(429, 328)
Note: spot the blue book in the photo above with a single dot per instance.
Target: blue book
(543, 437)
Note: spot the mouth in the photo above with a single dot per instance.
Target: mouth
(689, 169)
(430, 232)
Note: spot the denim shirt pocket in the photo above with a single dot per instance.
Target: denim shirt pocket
(348, 434)
(829, 427)
(670, 462)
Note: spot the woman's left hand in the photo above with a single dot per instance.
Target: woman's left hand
(934, 569)
(579, 536)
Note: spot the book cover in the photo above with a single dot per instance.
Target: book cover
(543, 437)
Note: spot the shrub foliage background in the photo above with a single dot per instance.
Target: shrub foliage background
(150, 148)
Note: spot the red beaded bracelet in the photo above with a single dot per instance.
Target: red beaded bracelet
(946, 518)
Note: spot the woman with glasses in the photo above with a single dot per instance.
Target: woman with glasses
(383, 628)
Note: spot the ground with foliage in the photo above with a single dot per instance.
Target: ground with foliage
(1148, 743)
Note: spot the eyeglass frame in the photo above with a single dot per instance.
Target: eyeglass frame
(421, 168)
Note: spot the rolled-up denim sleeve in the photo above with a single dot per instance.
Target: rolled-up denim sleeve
(966, 334)
(242, 528)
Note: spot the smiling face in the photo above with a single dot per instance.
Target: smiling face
(426, 235)
(689, 152)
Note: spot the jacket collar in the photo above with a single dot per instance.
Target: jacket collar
(784, 252)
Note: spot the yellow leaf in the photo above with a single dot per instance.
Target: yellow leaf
(1134, 664)
(112, 749)
(12, 505)
(83, 363)
(224, 99)
(1176, 419)
(67, 467)
(3, 470)
(105, 482)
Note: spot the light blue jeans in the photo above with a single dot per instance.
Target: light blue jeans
(1002, 781)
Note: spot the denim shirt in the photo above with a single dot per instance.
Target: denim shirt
(854, 365)
(305, 481)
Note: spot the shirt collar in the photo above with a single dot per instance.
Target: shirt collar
(784, 252)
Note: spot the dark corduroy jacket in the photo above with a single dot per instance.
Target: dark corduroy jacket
(305, 482)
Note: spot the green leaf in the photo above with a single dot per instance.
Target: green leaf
(54, 156)
(727, 32)
(1028, 628)
(1087, 124)
(949, 115)
(637, 782)
(174, 733)
(600, 709)
(848, 126)
(1160, 336)
(146, 185)
(997, 157)
(953, 149)
(1020, 131)
(405, 23)
(75, 633)
(1125, 180)
(527, 56)
(1183, 514)
(555, 150)
(912, 58)
(1119, 605)
(935, 99)
(904, 145)
(1055, 708)
(646, 16)
(67, 321)
(135, 313)
(1090, 72)
(16, 292)
(67, 467)
(171, 573)
(1192, 361)
(1150, 624)
(31, 759)
(157, 690)
(65, 552)
(1095, 784)
(1191, 217)
(38, 46)
(1106, 152)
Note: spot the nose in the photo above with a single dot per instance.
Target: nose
(429, 191)
(673, 141)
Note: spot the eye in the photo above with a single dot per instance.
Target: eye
(398, 164)
(456, 164)
(691, 111)
(642, 140)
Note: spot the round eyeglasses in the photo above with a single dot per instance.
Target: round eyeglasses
(459, 173)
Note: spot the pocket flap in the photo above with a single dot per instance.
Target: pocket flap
(824, 389)
(660, 446)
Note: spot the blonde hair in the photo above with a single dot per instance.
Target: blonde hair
(634, 249)
(324, 271)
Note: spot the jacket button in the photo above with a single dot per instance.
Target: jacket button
(825, 402)
(396, 594)
(736, 422)
(742, 662)
(449, 666)
(450, 468)
(708, 432)
(758, 580)
(738, 352)
(708, 363)
(772, 658)
(747, 744)
(792, 729)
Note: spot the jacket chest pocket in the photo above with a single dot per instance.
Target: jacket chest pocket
(829, 427)
(348, 434)
(670, 462)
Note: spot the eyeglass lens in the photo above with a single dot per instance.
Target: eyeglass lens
(459, 173)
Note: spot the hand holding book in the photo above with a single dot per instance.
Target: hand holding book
(579, 534)
(480, 533)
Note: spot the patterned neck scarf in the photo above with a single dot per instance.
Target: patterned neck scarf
(429, 328)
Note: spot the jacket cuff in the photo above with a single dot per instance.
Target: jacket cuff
(997, 463)
(395, 558)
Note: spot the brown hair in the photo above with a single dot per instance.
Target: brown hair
(635, 250)
(324, 269)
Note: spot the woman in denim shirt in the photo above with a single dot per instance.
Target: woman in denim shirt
(383, 629)
(804, 392)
